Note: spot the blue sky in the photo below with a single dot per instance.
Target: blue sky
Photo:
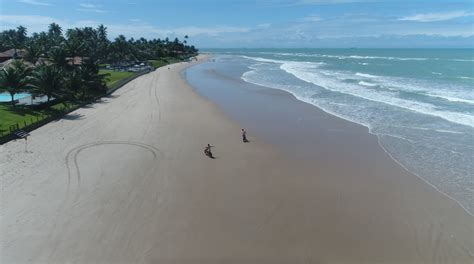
(260, 23)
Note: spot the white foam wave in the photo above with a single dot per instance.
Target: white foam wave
(436, 73)
(385, 58)
(259, 59)
(448, 131)
(343, 57)
(397, 84)
(301, 72)
(263, 59)
(396, 136)
(467, 60)
(336, 81)
(366, 75)
(466, 78)
(358, 57)
(455, 99)
(367, 84)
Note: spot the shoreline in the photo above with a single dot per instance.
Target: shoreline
(369, 131)
(380, 145)
(125, 180)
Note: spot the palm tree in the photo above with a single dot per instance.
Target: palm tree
(74, 83)
(14, 79)
(92, 80)
(21, 37)
(102, 43)
(120, 50)
(55, 35)
(33, 52)
(48, 80)
(58, 57)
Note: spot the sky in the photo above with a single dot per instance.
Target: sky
(261, 23)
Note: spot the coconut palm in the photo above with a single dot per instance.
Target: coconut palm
(58, 77)
(58, 57)
(21, 37)
(74, 83)
(102, 43)
(48, 80)
(55, 35)
(94, 83)
(14, 79)
(33, 52)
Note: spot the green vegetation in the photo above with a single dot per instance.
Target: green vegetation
(65, 67)
(23, 115)
(162, 62)
(114, 76)
(11, 116)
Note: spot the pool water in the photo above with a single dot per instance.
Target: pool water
(5, 97)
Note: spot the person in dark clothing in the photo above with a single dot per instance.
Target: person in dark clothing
(244, 135)
(207, 151)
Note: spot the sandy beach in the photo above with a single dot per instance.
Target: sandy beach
(125, 180)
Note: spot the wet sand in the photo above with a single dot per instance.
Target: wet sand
(124, 180)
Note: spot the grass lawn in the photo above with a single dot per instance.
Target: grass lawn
(20, 114)
(162, 62)
(115, 75)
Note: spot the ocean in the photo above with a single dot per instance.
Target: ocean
(418, 102)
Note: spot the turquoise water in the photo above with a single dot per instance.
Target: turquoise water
(5, 97)
(419, 102)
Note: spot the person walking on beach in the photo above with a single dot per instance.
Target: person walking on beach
(244, 135)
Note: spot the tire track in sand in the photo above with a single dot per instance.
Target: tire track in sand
(71, 156)
(154, 101)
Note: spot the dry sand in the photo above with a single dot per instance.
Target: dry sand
(125, 180)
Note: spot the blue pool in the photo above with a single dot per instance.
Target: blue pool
(5, 97)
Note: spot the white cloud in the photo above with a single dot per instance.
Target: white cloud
(312, 18)
(40, 23)
(87, 7)
(34, 2)
(138, 29)
(293, 33)
(92, 10)
(264, 25)
(26, 20)
(317, 2)
(210, 31)
(329, 1)
(432, 17)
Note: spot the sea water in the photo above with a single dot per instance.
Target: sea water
(418, 102)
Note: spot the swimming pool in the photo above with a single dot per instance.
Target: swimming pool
(5, 97)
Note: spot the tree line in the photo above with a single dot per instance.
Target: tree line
(65, 65)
